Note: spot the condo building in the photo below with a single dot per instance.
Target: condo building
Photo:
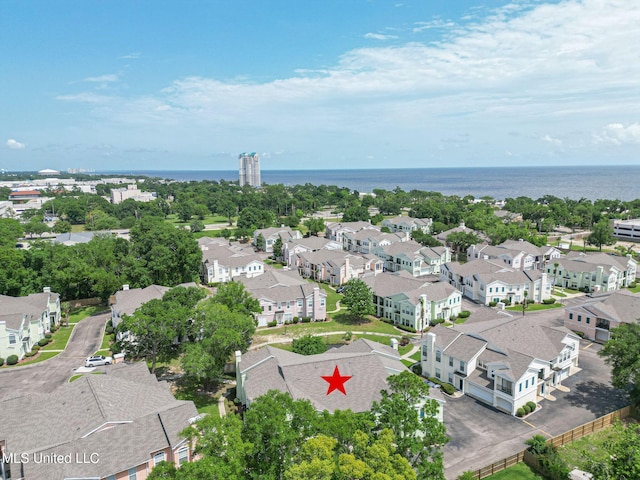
(249, 169)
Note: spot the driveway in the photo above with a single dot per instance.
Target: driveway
(481, 435)
(46, 376)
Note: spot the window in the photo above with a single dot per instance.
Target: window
(526, 383)
(437, 373)
(299, 303)
(12, 339)
(461, 366)
(322, 302)
(450, 379)
(588, 320)
(579, 318)
(183, 455)
(520, 387)
(451, 361)
(111, 477)
(159, 457)
(438, 356)
(424, 351)
(132, 474)
(570, 316)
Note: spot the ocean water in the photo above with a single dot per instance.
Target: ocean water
(592, 182)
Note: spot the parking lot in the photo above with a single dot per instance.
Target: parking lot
(481, 435)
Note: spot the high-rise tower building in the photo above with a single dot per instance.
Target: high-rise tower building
(249, 169)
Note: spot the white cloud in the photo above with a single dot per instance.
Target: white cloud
(553, 141)
(84, 97)
(103, 78)
(379, 36)
(132, 55)
(619, 134)
(14, 144)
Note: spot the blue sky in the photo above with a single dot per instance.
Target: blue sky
(144, 85)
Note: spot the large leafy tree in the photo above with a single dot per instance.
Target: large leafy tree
(622, 352)
(154, 329)
(358, 298)
(170, 255)
(622, 458)
(601, 234)
(408, 412)
(276, 425)
(220, 332)
(236, 298)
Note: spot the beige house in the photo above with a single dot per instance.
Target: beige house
(284, 295)
(596, 318)
(271, 234)
(110, 427)
(224, 263)
(307, 244)
(336, 230)
(369, 240)
(25, 320)
(336, 267)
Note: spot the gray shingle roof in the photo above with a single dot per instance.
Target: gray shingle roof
(150, 413)
(368, 363)
(386, 284)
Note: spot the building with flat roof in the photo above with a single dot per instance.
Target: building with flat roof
(628, 230)
(249, 169)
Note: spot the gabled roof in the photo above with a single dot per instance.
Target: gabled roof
(273, 278)
(433, 292)
(386, 284)
(368, 363)
(124, 416)
(14, 309)
(621, 306)
(127, 301)
(312, 243)
(478, 266)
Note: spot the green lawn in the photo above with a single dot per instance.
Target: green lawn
(340, 322)
(204, 402)
(534, 307)
(592, 446)
(41, 357)
(521, 471)
(407, 363)
(60, 338)
(78, 314)
(338, 339)
(558, 293)
(416, 356)
(332, 297)
(273, 263)
(636, 289)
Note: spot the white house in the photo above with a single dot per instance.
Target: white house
(408, 224)
(335, 230)
(504, 365)
(271, 234)
(413, 257)
(593, 272)
(25, 320)
(308, 244)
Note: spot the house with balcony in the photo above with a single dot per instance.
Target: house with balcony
(336, 267)
(307, 244)
(284, 295)
(592, 272)
(487, 281)
(413, 257)
(223, 263)
(504, 364)
(368, 240)
(118, 425)
(597, 317)
(271, 234)
(25, 320)
(519, 255)
(408, 224)
(413, 303)
(336, 230)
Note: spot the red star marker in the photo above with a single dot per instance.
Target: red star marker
(336, 381)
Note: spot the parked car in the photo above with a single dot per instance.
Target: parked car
(97, 361)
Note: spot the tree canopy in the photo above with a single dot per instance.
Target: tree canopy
(622, 352)
(358, 298)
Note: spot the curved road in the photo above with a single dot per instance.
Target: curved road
(45, 376)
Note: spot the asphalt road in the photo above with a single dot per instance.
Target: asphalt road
(44, 377)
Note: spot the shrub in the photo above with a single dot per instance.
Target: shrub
(43, 341)
(272, 323)
(295, 320)
(47, 335)
(54, 328)
(29, 354)
(448, 388)
(520, 412)
(404, 341)
(306, 319)
(549, 301)
(633, 285)
(12, 359)
(308, 345)
(437, 321)
(580, 334)
(417, 369)
(493, 304)
(464, 314)
(35, 348)
(532, 406)
(526, 408)
(109, 323)
(406, 329)
(1, 361)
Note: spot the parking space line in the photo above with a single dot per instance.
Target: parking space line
(588, 346)
(537, 428)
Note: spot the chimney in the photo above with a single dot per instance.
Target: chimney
(238, 357)
(125, 287)
(46, 289)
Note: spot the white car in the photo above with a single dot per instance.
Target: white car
(97, 361)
